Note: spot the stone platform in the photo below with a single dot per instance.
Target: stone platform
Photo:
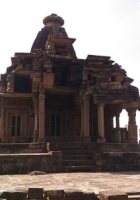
(127, 182)
(57, 157)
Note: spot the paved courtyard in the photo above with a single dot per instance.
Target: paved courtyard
(86, 182)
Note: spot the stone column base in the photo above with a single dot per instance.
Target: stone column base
(101, 140)
(41, 140)
(132, 133)
(87, 139)
(35, 137)
(132, 140)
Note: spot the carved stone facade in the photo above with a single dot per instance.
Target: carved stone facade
(51, 95)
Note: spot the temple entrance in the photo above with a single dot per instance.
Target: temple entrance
(61, 118)
(93, 129)
(55, 124)
(16, 126)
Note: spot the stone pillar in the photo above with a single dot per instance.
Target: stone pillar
(82, 121)
(41, 118)
(117, 120)
(10, 83)
(36, 118)
(36, 132)
(101, 122)
(2, 125)
(124, 138)
(86, 118)
(108, 123)
(132, 127)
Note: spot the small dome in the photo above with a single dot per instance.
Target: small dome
(53, 18)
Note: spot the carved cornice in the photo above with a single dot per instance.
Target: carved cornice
(102, 99)
(131, 105)
(17, 101)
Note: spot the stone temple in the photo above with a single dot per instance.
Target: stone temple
(51, 95)
(56, 110)
(56, 115)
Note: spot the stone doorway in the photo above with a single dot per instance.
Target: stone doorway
(55, 124)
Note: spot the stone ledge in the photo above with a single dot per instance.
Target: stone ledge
(54, 193)
(40, 194)
(35, 193)
(13, 195)
(112, 195)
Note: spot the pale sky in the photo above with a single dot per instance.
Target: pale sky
(101, 27)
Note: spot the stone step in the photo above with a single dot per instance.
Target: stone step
(72, 148)
(76, 152)
(77, 162)
(84, 168)
(59, 146)
(134, 197)
(114, 147)
(15, 148)
(76, 157)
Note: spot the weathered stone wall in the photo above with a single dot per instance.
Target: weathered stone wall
(6, 148)
(117, 161)
(115, 156)
(24, 158)
(113, 147)
(26, 163)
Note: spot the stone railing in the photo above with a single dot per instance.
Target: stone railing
(25, 163)
(15, 139)
(16, 148)
(119, 135)
(116, 161)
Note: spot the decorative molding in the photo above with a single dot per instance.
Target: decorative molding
(17, 101)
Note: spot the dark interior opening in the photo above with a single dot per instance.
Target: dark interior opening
(60, 49)
(112, 78)
(22, 84)
(92, 79)
(16, 125)
(64, 76)
(55, 124)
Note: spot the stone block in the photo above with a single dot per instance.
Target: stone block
(36, 75)
(73, 194)
(90, 196)
(35, 193)
(2, 88)
(37, 199)
(37, 80)
(13, 195)
(48, 79)
(54, 193)
(55, 153)
(112, 195)
(101, 140)
(74, 198)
